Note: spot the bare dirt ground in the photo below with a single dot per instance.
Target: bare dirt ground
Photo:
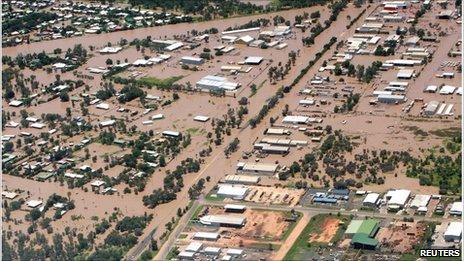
(401, 236)
(280, 254)
(329, 229)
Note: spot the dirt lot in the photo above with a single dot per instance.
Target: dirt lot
(329, 229)
(400, 237)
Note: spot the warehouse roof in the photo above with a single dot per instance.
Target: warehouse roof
(420, 201)
(206, 235)
(364, 240)
(398, 197)
(369, 227)
(456, 207)
(230, 190)
(454, 229)
(222, 219)
(354, 226)
(371, 198)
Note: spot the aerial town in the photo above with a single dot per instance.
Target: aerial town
(231, 130)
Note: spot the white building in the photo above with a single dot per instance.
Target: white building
(372, 200)
(397, 198)
(456, 208)
(223, 220)
(215, 83)
(420, 201)
(231, 191)
(453, 232)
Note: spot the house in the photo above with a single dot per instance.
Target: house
(15, 103)
(34, 203)
(420, 201)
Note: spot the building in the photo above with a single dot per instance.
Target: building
(194, 247)
(258, 168)
(246, 39)
(223, 220)
(420, 201)
(234, 208)
(205, 236)
(215, 251)
(431, 108)
(405, 74)
(201, 118)
(253, 60)
(447, 90)
(272, 149)
(34, 203)
(369, 227)
(363, 241)
(241, 179)
(277, 131)
(446, 14)
(456, 208)
(192, 60)
(230, 191)
(372, 200)
(396, 199)
(216, 83)
(169, 133)
(295, 119)
(454, 232)
(391, 98)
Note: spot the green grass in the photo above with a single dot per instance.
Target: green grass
(210, 197)
(265, 246)
(257, 88)
(182, 236)
(302, 249)
(159, 83)
(196, 212)
(172, 253)
(291, 226)
(447, 133)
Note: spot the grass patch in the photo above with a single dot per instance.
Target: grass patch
(255, 90)
(447, 133)
(182, 236)
(159, 83)
(214, 197)
(292, 225)
(196, 212)
(417, 131)
(172, 253)
(265, 246)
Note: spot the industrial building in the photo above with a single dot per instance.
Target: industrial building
(205, 236)
(232, 191)
(216, 83)
(192, 60)
(257, 168)
(456, 208)
(390, 98)
(242, 179)
(396, 199)
(431, 108)
(362, 233)
(372, 200)
(454, 232)
(253, 60)
(223, 220)
(420, 201)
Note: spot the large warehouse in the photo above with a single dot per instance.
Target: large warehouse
(397, 198)
(223, 220)
(258, 168)
(216, 83)
(232, 191)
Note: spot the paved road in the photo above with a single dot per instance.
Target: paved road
(140, 247)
